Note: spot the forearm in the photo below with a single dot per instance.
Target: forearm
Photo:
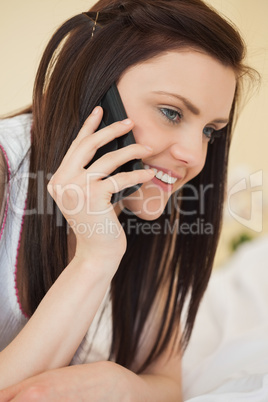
(101, 381)
(54, 332)
(159, 388)
(156, 387)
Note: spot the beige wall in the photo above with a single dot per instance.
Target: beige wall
(25, 27)
(250, 143)
(252, 131)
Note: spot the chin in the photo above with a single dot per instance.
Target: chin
(148, 217)
(148, 202)
(145, 210)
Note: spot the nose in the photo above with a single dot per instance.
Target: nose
(189, 149)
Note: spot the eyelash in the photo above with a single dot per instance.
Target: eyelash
(178, 113)
(211, 137)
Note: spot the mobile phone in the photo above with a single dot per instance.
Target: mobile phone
(113, 110)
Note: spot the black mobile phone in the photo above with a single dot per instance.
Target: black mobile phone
(113, 110)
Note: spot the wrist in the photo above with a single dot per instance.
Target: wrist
(101, 263)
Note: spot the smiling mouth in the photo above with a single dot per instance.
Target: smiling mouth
(162, 176)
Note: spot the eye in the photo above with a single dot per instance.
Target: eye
(209, 131)
(173, 116)
(211, 134)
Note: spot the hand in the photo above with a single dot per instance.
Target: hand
(84, 195)
(96, 382)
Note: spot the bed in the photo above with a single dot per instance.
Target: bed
(227, 357)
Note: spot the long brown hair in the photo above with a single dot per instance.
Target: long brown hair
(76, 70)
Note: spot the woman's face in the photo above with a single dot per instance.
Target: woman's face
(175, 100)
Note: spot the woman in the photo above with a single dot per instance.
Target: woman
(178, 67)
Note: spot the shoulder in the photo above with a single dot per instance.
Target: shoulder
(3, 184)
(15, 121)
(15, 127)
(15, 139)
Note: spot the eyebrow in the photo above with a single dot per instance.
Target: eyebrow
(190, 106)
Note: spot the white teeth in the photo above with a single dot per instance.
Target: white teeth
(164, 177)
(168, 179)
(159, 174)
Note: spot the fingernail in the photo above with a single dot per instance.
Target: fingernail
(96, 110)
(127, 122)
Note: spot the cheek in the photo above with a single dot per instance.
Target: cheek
(194, 171)
(204, 157)
(147, 132)
(142, 133)
(144, 129)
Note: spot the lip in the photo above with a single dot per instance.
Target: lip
(166, 187)
(168, 171)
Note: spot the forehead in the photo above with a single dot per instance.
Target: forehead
(197, 76)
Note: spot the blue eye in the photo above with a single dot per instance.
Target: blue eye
(209, 131)
(211, 134)
(173, 116)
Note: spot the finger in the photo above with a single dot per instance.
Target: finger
(83, 150)
(123, 180)
(89, 127)
(109, 162)
(91, 123)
